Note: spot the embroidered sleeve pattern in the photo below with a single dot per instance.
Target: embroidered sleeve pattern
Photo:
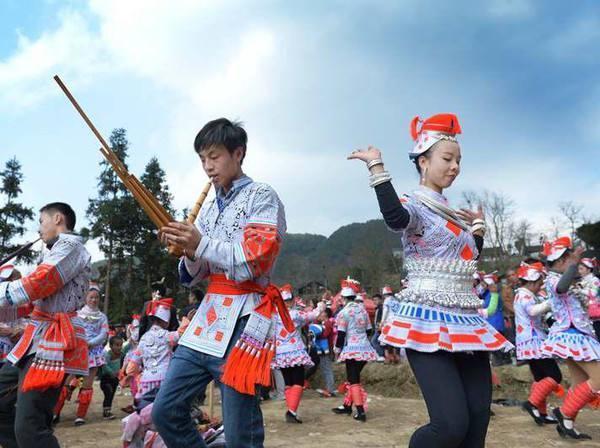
(62, 264)
(255, 254)
(342, 321)
(100, 338)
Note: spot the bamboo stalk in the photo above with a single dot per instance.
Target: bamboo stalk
(198, 205)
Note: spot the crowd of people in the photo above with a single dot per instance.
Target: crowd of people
(448, 320)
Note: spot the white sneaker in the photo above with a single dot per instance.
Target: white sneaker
(79, 421)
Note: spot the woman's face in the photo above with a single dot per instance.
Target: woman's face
(442, 166)
(537, 285)
(583, 270)
(92, 299)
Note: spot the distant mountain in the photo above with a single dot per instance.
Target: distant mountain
(362, 250)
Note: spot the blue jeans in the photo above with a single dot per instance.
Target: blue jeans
(376, 344)
(188, 376)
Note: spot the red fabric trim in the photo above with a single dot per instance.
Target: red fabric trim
(261, 246)
(42, 282)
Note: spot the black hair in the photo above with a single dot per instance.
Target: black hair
(198, 294)
(377, 295)
(566, 253)
(223, 132)
(159, 286)
(526, 282)
(63, 209)
(328, 312)
(114, 339)
(146, 322)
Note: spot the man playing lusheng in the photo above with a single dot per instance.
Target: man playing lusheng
(53, 343)
(234, 244)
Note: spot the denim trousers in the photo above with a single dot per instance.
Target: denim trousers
(189, 373)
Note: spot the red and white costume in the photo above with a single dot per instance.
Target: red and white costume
(354, 321)
(55, 334)
(290, 350)
(155, 349)
(529, 311)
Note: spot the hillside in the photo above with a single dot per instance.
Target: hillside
(362, 250)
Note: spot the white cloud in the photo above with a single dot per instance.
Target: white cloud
(306, 93)
(71, 49)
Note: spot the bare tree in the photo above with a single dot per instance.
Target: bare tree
(572, 213)
(521, 235)
(499, 209)
(556, 226)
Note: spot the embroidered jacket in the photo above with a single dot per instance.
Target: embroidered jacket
(58, 285)
(567, 309)
(242, 233)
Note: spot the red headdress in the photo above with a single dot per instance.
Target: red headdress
(350, 287)
(553, 250)
(530, 272)
(432, 130)
(160, 308)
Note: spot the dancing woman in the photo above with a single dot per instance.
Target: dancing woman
(446, 341)
(572, 336)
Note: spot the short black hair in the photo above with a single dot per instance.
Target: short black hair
(63, 209)
(224, 132)
(377, 295)
(114, 339)
(328, 312)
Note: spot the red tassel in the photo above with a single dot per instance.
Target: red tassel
(231, 363)
(265, 368)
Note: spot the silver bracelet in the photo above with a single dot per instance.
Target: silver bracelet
(379, 178)
(478, 228)
(374, 162)
(478, 221)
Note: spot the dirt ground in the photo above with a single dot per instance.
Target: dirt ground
(391, 417)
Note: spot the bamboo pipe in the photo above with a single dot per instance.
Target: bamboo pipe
(152, 212)
(191, 219)
(198, 205)
(18, 252)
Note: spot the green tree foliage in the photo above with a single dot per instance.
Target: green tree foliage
(154, 261)
(13, 214)
(110, 215)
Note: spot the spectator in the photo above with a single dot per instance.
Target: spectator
(109, 374)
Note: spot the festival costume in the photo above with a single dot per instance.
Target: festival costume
(437, 321)
(231, 336)
(291, 356)
(53, 343)
(153, 353)
(589, 286)
(571, 336)
(152, 357)
(356, 350)
(530, 336)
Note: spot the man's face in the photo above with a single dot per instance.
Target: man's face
(49, 222)
(117, 347)
(221, 165)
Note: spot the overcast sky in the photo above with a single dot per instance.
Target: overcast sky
(311, 81)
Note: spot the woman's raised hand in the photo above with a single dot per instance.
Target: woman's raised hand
(366, 155)
(469, 216)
